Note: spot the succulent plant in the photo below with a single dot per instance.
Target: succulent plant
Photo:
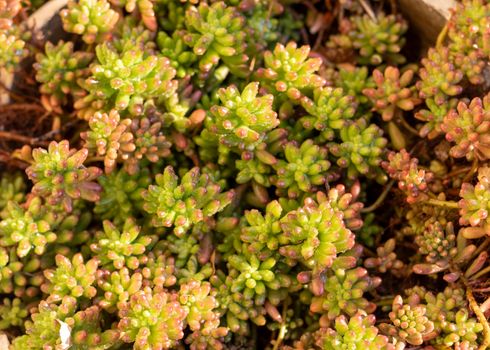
(12, 188)
(343, 293)
(107, 136)
(58, 325)
(29, 228)
(474, 206)
(121, 248)
(434, 116)
(463, 331)
(471, 64)
(386, 259)
(410, 322)
(315, 234)
(148, 143)
(182, 59)
(437, 242)
(289, 73)
(242, 119)
(330, 109)
(345, 201)
(360, 150)
(152, 320)
(59, 68)
(117, 286)
(254, 280)
(92, 19)
(145, 8)
(13, 313)
(439, 78)
(262, 231)
(230, 189)
(357, 332)
(182, 205)
(303, 169)
(59, 175)
(255, 166)
(239, 308)
(392, 92)
(198, 298)
(216, 32)
(159, 270)
(122, 195)
(412, 180)
(377, 40)
(353, 80)
(12, 50)
(72, 277)
(466, 27)
(125, 80)
(467, 126)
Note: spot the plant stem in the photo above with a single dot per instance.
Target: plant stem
(473, 170)
(380, 199)
(408, 126)
(283, 329)
(442, 36)
(439, 203)
(480, 315)
(368, 10)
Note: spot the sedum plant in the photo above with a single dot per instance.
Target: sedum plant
(107, 136)
(474, 206)
(28, 228)
(289, 73)
(182, 205)
(125, 79)
(122, 195)
(410, 322)
(72, 277)
(92, 19)
(120, 249)
(12, 50)
(242, 119)
(343, 293)
(358, 332)
(58, 174)
(360, 150)
(214, 175)
(152, 320)
(60, 69)
(330, 110)
(467, 127)
(392, 92)
(315, 233)
(376, 40)
(216, 33)
(303, 169)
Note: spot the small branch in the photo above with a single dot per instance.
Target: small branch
(481, 273)
(457, 172)
(380, 199)
(368, 10)
(21, 138)
(408, 126)
(473, 170)
(480, 315)
(439, 203)
(283, 329)
(442, 36)
(94, 159)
